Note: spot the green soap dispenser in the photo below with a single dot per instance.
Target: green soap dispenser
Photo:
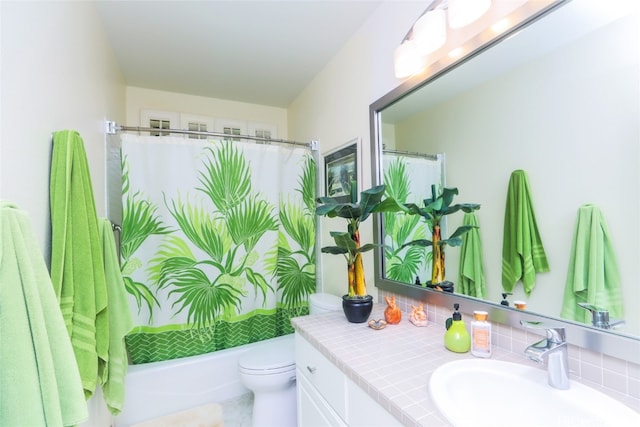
(457, 338)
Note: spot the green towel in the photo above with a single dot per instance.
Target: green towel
(471, 274)
(39, 381)
(77, 266)
(522, 252)
(120, 323)
(593, 275)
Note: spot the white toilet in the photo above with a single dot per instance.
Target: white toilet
(269, 371)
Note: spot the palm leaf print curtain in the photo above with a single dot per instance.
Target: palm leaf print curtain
(408, 179)
(218, 242)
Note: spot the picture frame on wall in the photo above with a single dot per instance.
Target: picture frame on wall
(341, 173)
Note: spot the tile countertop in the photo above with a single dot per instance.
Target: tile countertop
(393, 365)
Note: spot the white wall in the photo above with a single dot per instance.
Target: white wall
(139, 99)
(334, 109)
(58, 72)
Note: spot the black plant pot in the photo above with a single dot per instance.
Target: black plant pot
(357, 309)
(445, 286)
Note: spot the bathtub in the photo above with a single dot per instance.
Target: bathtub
(161, 388)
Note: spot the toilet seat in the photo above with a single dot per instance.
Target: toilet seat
(270, 358)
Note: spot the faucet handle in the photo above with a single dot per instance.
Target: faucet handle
(555, 334)
(599, 316)
(591, 307)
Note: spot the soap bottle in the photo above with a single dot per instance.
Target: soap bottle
(504, 299)
(480, 334)
(456, 338)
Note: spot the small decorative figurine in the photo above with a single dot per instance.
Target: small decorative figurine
(377, 324)
(392, 313)
(417, 316)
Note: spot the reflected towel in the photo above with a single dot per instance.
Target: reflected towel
(39, 381)
(593, 275)
(522, 252)
(77, 266)
(471, 274)
(120, 323)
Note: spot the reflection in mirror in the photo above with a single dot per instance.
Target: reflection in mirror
(560, 100)
(408, 177)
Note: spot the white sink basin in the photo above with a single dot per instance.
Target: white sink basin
(485, 392)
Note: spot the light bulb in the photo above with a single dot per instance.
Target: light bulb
(464, 12)
(430, 31)
(406, 60)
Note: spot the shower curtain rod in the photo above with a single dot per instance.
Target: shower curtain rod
(112, 128)
(413, 154)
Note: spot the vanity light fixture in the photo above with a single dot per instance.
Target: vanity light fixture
(429, 32)
(464, 12)
(406, 60)
(456, 52)
(501, 26)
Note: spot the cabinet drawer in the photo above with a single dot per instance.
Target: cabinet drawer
(322, 374)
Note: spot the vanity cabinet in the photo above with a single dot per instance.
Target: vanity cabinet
(326, 397)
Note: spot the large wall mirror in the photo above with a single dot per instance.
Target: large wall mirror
(558, 98)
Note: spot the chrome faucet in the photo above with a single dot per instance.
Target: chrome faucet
(600, 317)
(553, 351)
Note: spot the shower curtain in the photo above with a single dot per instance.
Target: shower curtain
(218, 242)
(408, 179)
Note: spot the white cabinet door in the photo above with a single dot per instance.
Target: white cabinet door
(325, 376)
(313, 409)
(363, 411)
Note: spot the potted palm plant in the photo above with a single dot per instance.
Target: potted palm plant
(357, 304)
(433, 211)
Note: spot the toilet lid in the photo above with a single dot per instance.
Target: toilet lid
(271, 355)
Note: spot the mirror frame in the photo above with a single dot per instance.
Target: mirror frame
(625, 347)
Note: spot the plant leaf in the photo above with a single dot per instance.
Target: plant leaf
(249, 221)
(141, 293)
(227, 180)
(307, 181)
(419, 242)
(396, 180)
(405, 269)
(295, 281)
(259, 283)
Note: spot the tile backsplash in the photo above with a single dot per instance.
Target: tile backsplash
(616, 377)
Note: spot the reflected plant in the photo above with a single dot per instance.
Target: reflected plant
(402, 263)
(433, 211)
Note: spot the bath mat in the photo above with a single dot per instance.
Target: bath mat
(202, 416)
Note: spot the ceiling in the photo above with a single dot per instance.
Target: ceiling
(262, 52)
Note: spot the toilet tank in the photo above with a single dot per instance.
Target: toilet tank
(323, 303)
